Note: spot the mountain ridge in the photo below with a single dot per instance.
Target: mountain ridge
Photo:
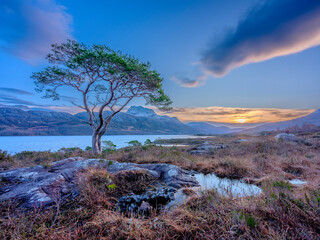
(312, 118)
(15, 122)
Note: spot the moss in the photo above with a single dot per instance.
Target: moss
(111, 186)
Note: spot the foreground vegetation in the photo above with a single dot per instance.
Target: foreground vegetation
(283, 211)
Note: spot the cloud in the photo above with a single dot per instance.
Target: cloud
(69, 99)
(15, 91)
(189, 82)
(14, 100)
(214, 111)
(271, 29)
(232, 115)
(29, 27)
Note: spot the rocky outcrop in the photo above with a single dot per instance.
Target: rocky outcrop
(206, 148)
(45, 185)
(154, 197)
(285, 137)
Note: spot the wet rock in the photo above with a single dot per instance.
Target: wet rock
(145, 207)
(156, 198)
(44, 186)
(172, 175)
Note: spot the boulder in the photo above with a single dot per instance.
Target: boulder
(46, 185)
(285, 137)
(155, 198)
(206, 148)
(145, 207)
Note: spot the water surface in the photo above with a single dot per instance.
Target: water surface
(224, 186)
(14, 144)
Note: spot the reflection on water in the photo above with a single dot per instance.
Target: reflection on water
(224, 186)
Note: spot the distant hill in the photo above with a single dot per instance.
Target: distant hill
(15, 121)
(138, 120)
(21, 120)
(313, 118)
(206, 128)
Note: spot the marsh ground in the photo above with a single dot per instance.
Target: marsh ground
(283, 211)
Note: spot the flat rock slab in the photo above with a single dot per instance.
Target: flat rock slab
(206, 148)
(39, 185)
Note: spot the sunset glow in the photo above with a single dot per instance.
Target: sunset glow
(235, 115)
(241, 120)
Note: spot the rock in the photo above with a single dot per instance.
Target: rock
(44, 186)
(285, 137)
(206, 149)
(292, 138)
(241, 140)
(145, 207)
(155, 198)
(172, 175)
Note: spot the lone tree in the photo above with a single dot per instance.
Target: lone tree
(106, 80)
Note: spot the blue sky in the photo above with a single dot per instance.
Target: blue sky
(203, 49)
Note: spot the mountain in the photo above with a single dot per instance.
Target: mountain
(139, 111)
(25, 108)
(15, 121)
(206, 128)
(238, 126)
(312, 118)
(138, 120)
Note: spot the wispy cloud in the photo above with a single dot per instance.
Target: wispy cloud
(15, 91)
(29, 27)
(233, 115)
(189, 82)
(8, 99)
(271, 29)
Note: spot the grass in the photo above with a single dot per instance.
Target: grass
(276, 215)
(283, 211)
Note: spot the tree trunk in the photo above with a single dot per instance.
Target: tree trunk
(96, 143)
(99, 143)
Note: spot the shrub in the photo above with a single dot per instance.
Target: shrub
(4, 156)
(147, 142)
(134, 143)
(109, 146)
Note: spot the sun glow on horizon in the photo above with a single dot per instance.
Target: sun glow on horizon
(241, 120)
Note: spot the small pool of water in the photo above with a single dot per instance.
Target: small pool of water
(224, 186)
(297, 182)
(172, 145)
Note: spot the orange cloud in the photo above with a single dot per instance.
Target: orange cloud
(218, 114)
(237, 115)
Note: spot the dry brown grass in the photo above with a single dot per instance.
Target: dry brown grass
(257, 158)
(278, 214)
(282, 212)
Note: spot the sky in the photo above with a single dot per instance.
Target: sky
(247, 61)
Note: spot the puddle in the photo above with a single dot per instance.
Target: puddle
(224, 186)
(297, 182)
(172, 145)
